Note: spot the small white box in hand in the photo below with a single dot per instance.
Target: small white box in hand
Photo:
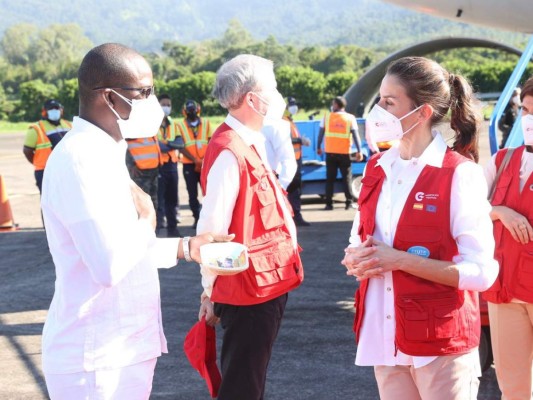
(227, 258)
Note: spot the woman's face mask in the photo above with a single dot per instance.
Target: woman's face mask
(145, 117)
(382, 126)
(527, 129)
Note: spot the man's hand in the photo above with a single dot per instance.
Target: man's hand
(359, 156)
(319, 151)
(198, 165)
(207, 309)
(205, 238)
(143, 204)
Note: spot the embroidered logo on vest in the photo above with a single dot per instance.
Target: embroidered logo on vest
(419, 251)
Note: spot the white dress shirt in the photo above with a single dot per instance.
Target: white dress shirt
(526, 168)
(470, 226)
(223, 182)
(279, 150)
(106, 310)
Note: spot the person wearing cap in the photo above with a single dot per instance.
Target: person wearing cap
(340, 129)
(103, 332)
(143, 159)
(43, 136)
(167, 180)
(242, 196)
(294, 189)
(195, 132)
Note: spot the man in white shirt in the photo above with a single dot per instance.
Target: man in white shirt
(243, 197)
(279, 150)
(103, 332)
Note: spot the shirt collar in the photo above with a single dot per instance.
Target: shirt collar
(81, 125)
(433, 155)
(249, 136)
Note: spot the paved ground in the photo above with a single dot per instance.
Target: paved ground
(313, 357)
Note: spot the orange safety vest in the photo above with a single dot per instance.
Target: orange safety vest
(295, 134)
(337, 132)
(43, 149)
(165, 136)
(195, 145)
(145, 152)
(258, 223)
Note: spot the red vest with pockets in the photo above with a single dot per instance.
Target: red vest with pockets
(431, 319)
(515, 279)
(258, 223)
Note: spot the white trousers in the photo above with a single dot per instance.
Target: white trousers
(133, 382)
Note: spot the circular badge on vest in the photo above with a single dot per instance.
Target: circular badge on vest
(418, 251)
(531, 187)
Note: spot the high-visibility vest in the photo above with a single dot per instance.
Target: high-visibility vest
(257, 221)
(337, 133)
(164, 136)
(43, 148)
(195, 145)
(145, 152)
(295, 134)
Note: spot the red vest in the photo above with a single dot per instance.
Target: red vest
(258, 223)
(515, 280)
(431, 319)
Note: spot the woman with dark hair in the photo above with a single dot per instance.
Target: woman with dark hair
(510, 299)
(421, 246)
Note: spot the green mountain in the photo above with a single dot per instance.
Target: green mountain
(146, 24)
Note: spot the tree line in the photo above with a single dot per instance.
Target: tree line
(36, 64)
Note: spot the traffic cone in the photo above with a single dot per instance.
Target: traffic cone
(6, 216)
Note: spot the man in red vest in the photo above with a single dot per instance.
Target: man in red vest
(242, 196)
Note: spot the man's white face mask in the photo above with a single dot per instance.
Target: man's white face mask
(275, 107)
(383, 126)
(53, 115)
(145, 117)
(167, 110)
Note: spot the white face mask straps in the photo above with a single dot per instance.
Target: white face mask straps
(128, 101)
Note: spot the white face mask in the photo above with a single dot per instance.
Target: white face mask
(293, 109)
(145, 118)
(276, 107)
(527, 129)
(53, 115)
(166, 110)
(382, 126)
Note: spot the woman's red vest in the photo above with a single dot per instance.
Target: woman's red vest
(515, 280)
(431, 319)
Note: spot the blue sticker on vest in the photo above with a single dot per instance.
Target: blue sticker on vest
(419, 251)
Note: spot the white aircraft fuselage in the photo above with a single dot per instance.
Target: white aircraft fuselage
(512, 15)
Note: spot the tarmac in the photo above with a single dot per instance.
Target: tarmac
(313, 357)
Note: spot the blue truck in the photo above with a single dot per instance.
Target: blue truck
(314, 165)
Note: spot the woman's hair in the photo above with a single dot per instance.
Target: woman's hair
(527, 90)
(426, 82)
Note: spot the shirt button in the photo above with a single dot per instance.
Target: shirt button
(399, 181)
(386, 233)
(389, 289)
(415, 162)
(389, 317)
